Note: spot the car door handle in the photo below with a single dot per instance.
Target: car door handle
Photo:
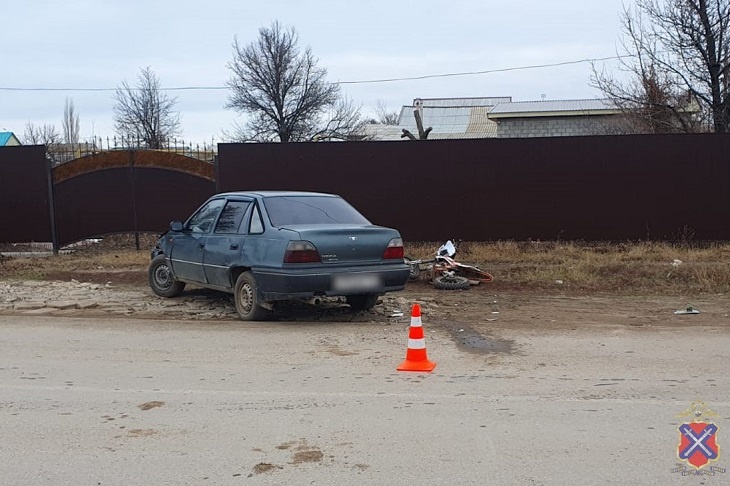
(234, 246)
(201, 246)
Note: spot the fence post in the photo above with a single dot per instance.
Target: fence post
(216, 173)
(134, 198)
(52, 206)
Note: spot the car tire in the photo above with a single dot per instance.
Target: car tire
(362, 302)
(161, 280)
(449, 282)
(247, 299)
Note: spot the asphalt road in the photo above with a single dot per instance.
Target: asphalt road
(122, 401)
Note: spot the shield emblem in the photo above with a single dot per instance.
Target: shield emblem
(698, 443)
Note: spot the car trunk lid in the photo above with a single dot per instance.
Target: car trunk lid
(347, 243)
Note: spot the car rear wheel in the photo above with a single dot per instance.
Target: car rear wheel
(247, 300)
(161, 280)
(362, 302)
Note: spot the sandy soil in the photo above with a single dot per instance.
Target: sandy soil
(483, 307)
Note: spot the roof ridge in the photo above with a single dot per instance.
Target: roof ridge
(555, 100)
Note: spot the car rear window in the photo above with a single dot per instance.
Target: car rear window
(287, 210)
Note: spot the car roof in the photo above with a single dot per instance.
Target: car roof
(265, 194)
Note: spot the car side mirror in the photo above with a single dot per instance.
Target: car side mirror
(176, 226)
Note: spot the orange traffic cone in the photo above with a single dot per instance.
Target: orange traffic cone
(416, 359)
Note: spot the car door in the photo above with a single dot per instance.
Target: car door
(224, 245)
(186, 255)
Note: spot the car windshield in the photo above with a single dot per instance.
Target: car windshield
(288, 210)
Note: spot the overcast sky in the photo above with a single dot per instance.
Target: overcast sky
(99, 44)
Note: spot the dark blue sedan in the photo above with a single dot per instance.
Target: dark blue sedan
(270, 246)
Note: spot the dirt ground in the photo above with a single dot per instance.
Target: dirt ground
(114, 274)
(466, 314)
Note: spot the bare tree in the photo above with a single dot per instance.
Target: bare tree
(45, 134)
(71, 124)
(678, 55)
(422, 133)
(284, 93)
(236, 134)
(145, 112)
(649, 102)
(384, 115)
(341, 122)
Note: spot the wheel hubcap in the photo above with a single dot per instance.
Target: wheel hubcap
(163, 279)
(245, 298)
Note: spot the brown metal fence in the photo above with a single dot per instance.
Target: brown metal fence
(592, 188)
(25, 197)
(127, 191)
(103, 193)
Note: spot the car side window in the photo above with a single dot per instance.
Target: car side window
(231, 217)
(257, 226)
(204, 219)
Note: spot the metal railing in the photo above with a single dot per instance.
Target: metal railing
(65, 152)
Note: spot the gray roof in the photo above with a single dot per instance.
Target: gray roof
(457, 118)
(447, 123)
(377, 131)
(556, 107)
(462, 102)
(451, 122)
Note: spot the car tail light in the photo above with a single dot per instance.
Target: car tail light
(301, 252)
(394, 249)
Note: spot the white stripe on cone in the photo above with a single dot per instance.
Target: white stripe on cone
(416, 322)
(417, 343)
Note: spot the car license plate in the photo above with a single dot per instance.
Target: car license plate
(356, 282)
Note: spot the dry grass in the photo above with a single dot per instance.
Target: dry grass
(38, 268)
(113, 254)
(606, 267)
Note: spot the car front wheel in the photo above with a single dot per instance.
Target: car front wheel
(362, 302)
(161, 279)
(247, 300)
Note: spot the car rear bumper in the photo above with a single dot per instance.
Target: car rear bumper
(286, 284)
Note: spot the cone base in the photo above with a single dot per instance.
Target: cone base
(409, 365)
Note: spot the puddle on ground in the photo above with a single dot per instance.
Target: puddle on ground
(472, 341)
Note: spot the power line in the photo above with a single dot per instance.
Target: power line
(488, 71)
(181, 88)
(365, 81)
